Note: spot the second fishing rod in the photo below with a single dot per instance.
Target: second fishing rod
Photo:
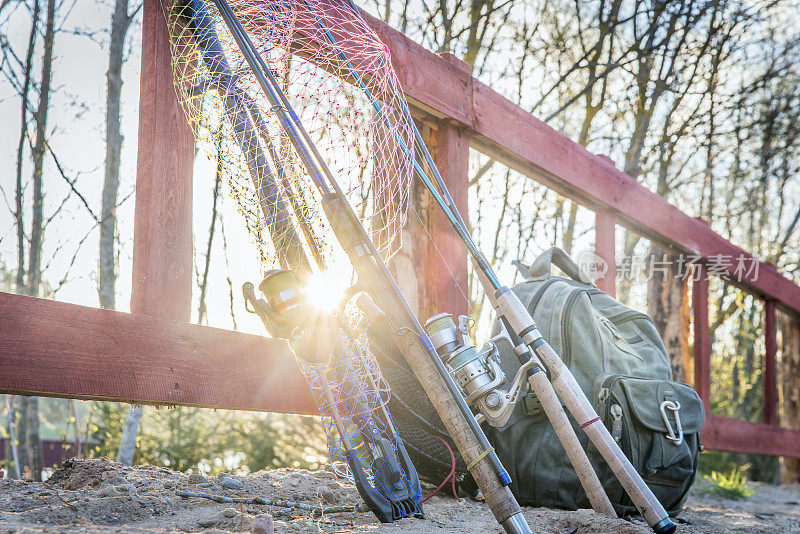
(521, 327)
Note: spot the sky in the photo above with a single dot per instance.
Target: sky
(77, 133)
(76, 126)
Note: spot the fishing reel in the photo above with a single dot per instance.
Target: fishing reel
(313, 335)
(477, 372)
(287, 314)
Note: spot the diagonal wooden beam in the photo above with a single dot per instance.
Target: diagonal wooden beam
(55, 349)
(513, 136)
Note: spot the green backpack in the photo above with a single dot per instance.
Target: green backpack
(621, 364)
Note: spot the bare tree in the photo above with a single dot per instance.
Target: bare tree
(15, 426)
(30, 405)
(120, 22)
(23, 134)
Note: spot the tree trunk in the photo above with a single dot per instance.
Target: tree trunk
(789, 328)
(108, 222)
(23, 130)
(12, 456)
(668, 306)
(127, 444)
(35, 252)
(201, 308)
(32, 444)
(22, 431)
(628, 273)
(120, 22)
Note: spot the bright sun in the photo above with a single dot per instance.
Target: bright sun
(325, 289)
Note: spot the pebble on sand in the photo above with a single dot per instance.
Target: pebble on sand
(196, 478)
(232, 483)
(262, 524)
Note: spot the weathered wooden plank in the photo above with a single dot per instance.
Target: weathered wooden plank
(432, 265)
(735, 435)
(789, 327)
(770, 364)
(54, 349)
(162, 238)
(447, 276)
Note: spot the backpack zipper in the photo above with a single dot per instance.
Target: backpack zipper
(626, 316)
(616, 426)
(534, 302)
(605, 393)
(566, 324)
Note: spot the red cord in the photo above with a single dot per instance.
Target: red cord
(451, 476)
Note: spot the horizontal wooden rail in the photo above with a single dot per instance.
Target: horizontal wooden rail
(54, 349)
(735, 435)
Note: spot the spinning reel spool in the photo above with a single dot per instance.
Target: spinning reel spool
(477, 372)
(287, 314)
(285, 307)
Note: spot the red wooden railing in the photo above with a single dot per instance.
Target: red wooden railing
(54, 451)
(57, 349)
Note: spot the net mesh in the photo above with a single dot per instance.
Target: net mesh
(364, 148)
(228, 111)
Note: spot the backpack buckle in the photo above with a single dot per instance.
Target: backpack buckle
(674, 406)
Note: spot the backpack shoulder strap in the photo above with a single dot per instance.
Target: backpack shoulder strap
(524, 270)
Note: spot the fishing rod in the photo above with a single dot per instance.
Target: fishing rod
(393, 490)
(494, 407)
(377, 281)
(518, 322)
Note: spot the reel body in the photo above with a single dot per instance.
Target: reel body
(477, 372)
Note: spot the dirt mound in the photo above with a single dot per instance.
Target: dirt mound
(97, 495)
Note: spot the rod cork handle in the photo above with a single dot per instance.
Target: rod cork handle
(577, 456)
(509, 306)
(498, 497)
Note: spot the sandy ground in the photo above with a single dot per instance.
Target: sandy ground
(88, 496)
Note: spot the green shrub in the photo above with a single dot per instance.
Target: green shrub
(732, 486)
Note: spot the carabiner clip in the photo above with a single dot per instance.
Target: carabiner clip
(674, 406)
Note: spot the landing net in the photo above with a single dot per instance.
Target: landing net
(233, 121)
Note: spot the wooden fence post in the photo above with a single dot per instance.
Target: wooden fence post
(605, 248)
(431, 268)
(702, 340)
(446, 281)
(162, 239)
(790, 378)
(770, 371)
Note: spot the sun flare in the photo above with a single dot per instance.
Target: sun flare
(325, 289)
